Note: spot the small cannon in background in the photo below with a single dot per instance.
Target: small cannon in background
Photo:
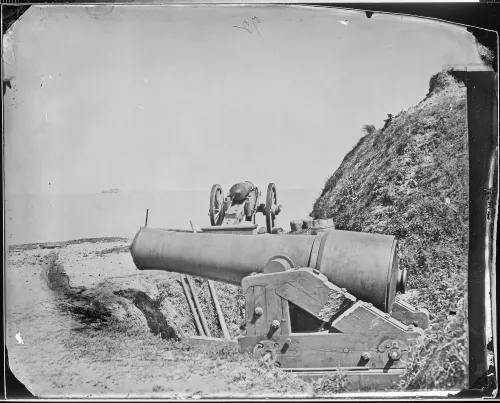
(233, 213)
(314, 303)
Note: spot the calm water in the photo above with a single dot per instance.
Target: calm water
(65, 217)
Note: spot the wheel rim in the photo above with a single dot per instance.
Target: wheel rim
(256, 203)
(216, 205)
(271, 203)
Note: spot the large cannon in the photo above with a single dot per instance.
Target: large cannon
(314, 303)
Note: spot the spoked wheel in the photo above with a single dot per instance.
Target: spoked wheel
(216, 205)
(271, 207)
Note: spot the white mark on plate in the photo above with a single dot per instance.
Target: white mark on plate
(19, 339)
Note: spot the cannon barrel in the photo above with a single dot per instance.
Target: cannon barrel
(240, 191)
(366, 265)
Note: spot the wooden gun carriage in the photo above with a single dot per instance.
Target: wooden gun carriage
(314, 303)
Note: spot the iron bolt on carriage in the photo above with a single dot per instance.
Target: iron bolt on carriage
(235, 213)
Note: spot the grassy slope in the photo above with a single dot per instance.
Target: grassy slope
(397, 181)
(410, 179)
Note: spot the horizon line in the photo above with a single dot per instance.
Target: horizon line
(133, 191)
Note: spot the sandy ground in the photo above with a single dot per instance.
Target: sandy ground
(85, 267)
(60, 356)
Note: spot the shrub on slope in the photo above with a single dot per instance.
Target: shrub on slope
(441, 359)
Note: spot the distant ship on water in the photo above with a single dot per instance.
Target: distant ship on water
(111, 191)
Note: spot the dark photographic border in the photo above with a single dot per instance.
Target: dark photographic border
(482, 113)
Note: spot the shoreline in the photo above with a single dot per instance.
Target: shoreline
(62, 244)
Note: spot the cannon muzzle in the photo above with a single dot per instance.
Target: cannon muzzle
(241, 190)
(366, 265)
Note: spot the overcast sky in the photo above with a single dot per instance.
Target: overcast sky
(148, 98)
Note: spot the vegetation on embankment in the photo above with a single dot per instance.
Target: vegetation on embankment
(410, 179)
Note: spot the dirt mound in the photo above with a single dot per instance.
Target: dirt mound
(150, 309)
(95, 306)
(144, 301)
